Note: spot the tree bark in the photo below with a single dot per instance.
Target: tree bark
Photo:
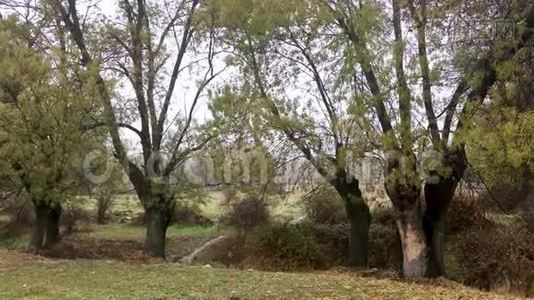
(414, 248)
(359, 218)
(46, 229)
(158, 219)
(403, 188)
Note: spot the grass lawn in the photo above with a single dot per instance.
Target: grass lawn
(22, 276)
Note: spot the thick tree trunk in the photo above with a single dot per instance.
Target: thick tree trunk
(438, 197)
(158, 219)
(52, 226)
(434, 234)
(46, 229)
(359, 218)
(439, 192)
(39, 228)
(414, 248)
(403, 188)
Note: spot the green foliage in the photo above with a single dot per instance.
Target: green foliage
(43, 116)
(501, 144)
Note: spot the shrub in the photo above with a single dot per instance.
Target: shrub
(324, 206)
(333, 239)
(465, 212)
(307, 245)
(384, 216)
(289, 247)
(246, 214)
(496, 258)
(230, 252)
(187, 215)
(384, 246)
(72, 216)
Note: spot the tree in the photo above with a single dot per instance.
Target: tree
(43, 111)
(143, 41)
(500, 139)
(281, 47)
(421, 208)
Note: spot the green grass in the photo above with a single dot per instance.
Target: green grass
(98, 280)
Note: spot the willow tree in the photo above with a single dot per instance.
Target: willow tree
(42, 137)
(405, 69)
(294, 71)
(151, 47)
(500, 138)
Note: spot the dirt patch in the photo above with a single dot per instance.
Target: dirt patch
(15, 259)
(81, 247)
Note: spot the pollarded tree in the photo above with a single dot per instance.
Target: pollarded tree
(405, 68)
(43, 113)
(147, 42)
(294, 71)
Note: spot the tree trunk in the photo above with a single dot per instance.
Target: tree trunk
(39, 228)
(414, 248)
(46, 229)
(52, 226)
(359, 218)
(439, 192)
(158, 219)
(438, 196)
(404, 190)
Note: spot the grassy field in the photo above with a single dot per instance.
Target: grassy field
(107, 261)
(137, 232)
(30, 277)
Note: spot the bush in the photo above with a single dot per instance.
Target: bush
(246, 214)
(186, 215)
(230, 252)
(72, 216)
(289, 247)
(324, 206)
(498, 259)
(384, 247)
(465, 212)
(310, 246)
(384, 216)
